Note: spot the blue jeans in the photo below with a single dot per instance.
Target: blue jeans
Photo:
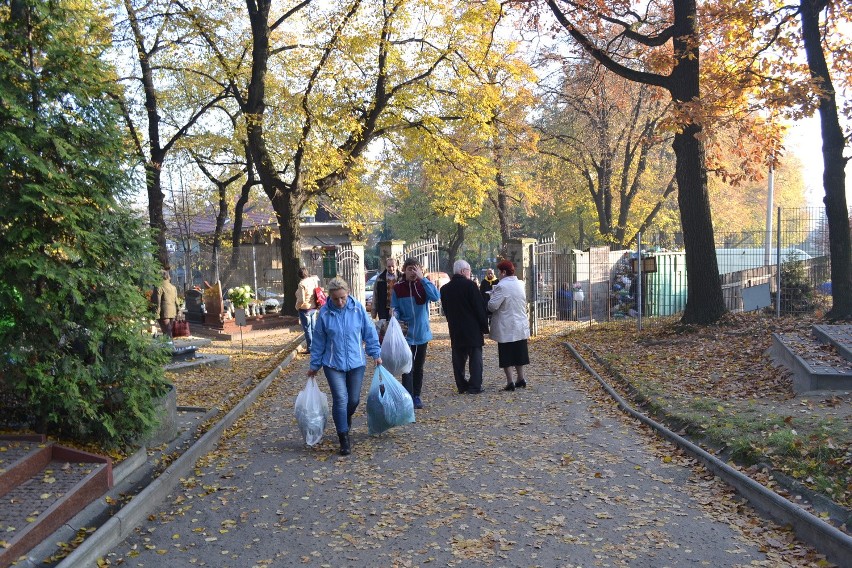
(345, 394)
(308, 318)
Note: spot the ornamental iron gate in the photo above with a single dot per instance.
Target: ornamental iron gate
(350, 267)
(543, 286)
(426, 253)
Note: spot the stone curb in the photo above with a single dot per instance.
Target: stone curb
(120, 525)
(836, 545)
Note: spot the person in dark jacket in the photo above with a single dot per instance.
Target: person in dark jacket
(466, 317)
(488, 284)
(382, 289)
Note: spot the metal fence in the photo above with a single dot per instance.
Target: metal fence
(257, 265)
(748, 262)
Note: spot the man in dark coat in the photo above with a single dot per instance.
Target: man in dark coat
(464, 309)
(488, 284)
(381, 289)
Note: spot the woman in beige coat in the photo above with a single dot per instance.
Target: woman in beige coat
(510, 326)
(306, 305)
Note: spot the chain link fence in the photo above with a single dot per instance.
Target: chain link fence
(601, 285)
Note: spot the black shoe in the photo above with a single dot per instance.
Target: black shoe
(345, 448)
(510, 387)
(522, 384)
(474, 391)
(462, 391)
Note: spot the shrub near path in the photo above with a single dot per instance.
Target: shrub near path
(717, 384)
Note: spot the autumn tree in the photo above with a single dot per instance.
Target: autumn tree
(165, 95)
(797, 62)
(664, 52)
(318, 82)
(608, 131)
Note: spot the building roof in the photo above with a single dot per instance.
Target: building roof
(254, 217)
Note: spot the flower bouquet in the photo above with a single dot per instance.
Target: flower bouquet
(241, 296)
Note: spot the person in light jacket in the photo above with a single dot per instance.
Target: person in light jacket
(342, 331)
(306, 305)
(410, 302)
(510, 326)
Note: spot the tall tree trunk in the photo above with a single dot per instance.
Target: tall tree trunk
(157, 220)
(834, 175)
(286, 198)
(286, 210)
(454, 245)
(704, 301)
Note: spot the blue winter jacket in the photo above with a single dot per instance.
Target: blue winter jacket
(340, 335)
(408, 309)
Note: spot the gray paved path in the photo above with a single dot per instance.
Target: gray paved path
(547, 476)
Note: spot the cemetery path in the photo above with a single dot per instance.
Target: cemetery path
(551, 475)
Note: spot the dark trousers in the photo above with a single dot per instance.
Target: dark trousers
(461, 355)
(413, 381)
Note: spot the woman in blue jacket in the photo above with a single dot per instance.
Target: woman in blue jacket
(410, 302)
(341, 332)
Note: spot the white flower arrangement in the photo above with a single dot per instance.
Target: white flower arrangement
(241, 296)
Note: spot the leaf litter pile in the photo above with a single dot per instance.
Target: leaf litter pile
(551, 475)
(251, 360)
(718, 384)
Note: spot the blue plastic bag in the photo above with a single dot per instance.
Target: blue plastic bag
(388, 403)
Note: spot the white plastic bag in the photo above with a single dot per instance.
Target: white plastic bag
(388, 403)
(312, 412)
(396, 354)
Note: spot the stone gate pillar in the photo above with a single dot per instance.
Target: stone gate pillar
(388, 249)
(518, 252)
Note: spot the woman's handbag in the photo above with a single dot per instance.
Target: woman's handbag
(388, 403)
(180, 328)
(395, 354)
(311, 412)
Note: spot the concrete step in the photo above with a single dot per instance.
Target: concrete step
(42, 485)
(814, 366)
(840, 336)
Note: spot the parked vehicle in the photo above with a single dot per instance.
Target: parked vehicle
(368, 292)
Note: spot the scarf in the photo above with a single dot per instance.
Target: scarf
(408, 289)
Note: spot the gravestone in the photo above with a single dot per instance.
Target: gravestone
(213, 305)
(194, 306)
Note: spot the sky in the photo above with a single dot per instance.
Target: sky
(805, 141)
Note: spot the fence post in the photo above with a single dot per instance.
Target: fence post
(533, 276)
(639, 281)
(778, 266)
(253, 267)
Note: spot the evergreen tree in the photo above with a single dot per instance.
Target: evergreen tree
(73, 258)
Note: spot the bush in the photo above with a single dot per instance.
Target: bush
(797, 293)
(75, 261)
